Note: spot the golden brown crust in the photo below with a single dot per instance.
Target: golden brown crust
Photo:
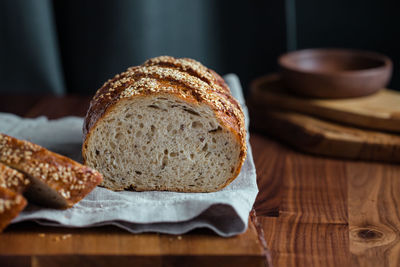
(191, 67)
(68, 178)
(11, 204)
(184, 78)
(12, 179)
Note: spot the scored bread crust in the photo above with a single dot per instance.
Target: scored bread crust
(12, 184)
(13, 179)
(69, 179)
(184, 78)
(11, 204)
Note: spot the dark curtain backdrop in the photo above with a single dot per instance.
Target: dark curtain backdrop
(73, 46)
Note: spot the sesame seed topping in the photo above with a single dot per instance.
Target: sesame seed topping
(8, 200)
(62, 174)
(12, 179)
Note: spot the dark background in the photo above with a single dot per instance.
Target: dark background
(66, 46)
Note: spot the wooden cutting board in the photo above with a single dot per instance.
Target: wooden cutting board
(325, 138)
(380, 111)
(27, 244)
(271, 112)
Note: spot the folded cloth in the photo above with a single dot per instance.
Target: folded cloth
(225, 212)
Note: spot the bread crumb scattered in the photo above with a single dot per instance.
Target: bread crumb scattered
(61, 237)
(41, 235)
(179, 237)
(66, 236)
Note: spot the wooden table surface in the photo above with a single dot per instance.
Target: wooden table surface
(314, 211)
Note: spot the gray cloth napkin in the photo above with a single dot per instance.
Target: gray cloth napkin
(225, 212)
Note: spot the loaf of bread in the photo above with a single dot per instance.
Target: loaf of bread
(11, 204)
(55, 181)
(168, 124)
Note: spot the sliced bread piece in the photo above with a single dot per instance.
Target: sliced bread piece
(169, 124)
(12, 179)
(55, 181)
(11, 204)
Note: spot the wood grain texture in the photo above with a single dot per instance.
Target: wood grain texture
(379, 111)
(374, 214)
(311, 229)
(325, 138)
(128, 261)
(314, 190)
(270, 167)
(295, 243)
(18, 240)
(36, 245)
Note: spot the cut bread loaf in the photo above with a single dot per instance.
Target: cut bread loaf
(169, 124)
(11, 204)
(55, 181)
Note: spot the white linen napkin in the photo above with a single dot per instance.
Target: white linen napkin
(226, 212)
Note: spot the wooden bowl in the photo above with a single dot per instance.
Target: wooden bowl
(335, 73)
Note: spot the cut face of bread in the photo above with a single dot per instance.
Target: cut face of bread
(168, 124)
(160, 142)
(39, 192)
(35, 190)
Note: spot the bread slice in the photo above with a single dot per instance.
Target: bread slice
(55, 181)
(11, 204)
(170, 124)
(13, 179)
(12, 184)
